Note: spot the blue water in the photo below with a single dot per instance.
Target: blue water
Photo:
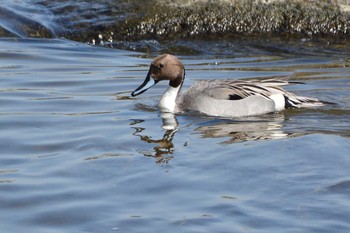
(78, 154)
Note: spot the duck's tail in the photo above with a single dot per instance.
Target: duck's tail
(294, 101)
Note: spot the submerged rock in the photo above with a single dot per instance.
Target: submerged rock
(15, 24)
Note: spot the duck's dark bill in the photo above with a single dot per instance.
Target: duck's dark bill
(148, 83)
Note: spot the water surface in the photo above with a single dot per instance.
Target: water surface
(78, 154)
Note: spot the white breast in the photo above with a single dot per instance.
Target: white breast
(167, 102)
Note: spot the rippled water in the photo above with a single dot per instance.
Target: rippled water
(78, 154)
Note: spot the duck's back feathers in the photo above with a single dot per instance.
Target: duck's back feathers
(241, 97)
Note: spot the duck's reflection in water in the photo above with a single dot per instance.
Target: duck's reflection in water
(267, 127)
(165, 147)
(247, 129)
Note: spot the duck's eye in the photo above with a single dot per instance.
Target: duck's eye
(161, 65)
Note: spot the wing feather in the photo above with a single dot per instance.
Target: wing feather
(234, 90)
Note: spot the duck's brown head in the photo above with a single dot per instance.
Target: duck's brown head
(163, 67)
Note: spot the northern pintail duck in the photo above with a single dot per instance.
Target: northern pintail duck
(226, 98)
